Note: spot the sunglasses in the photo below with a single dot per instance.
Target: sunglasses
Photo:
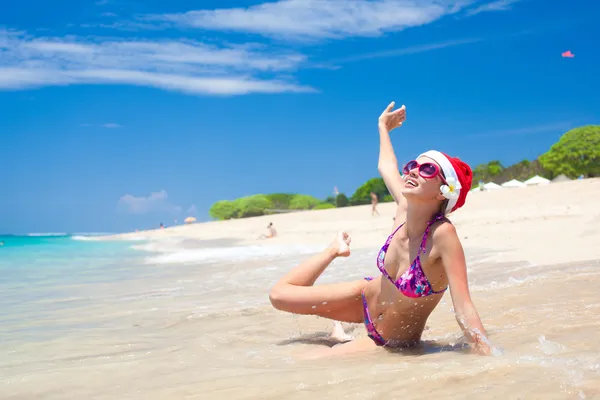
(427, 170)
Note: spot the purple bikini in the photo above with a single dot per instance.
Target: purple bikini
(413, 283)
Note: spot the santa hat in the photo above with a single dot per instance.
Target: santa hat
(458, 176)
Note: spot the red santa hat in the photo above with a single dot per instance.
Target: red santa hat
(458, 176)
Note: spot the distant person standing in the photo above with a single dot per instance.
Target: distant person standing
(374, 202)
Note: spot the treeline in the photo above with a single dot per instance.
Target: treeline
(577, 153)
(263, 204)
(495, 172)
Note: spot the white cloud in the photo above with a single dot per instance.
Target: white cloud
(156, 202)
(408, 50)
(498, 5)
(312, 19)
(185, 66)
(202, 68)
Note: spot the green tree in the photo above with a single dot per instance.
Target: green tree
(342, 200)
(487, 172)
(363, 193)
(576, 153)
(495, 167)
(223, 209)
(303, 202)
(323, 206)
(521, 171)
(330, 199)
(252, 206)
(281, 201)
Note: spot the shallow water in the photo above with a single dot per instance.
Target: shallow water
(184, 319)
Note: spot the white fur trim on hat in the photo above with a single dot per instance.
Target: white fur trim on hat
(449, 172)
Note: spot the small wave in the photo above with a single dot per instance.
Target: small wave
(548, 347)
(156, 293)
(98, 236)
(92, 234)
(135, 238)
(510, 282)
(83, 238)
(173, 244)
(48, 234)
(162, 245)
(228, 253)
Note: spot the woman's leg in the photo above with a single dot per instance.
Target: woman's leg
(296, 294)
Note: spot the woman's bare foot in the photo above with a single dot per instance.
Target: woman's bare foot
(341, 244)
(338, 333)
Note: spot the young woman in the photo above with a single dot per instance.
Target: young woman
(420, 259)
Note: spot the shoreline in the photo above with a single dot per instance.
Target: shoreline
(532, 223)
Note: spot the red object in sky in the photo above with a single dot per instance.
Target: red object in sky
(568, 54)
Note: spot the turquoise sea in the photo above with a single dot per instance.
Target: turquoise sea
(47, 280)
(179, 318)
(89, 318)
(41, 275)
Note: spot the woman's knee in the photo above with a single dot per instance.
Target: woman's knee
(285, 297)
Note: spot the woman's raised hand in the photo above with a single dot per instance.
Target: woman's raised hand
(390, 120)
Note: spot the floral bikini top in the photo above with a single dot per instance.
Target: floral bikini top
(413, 283)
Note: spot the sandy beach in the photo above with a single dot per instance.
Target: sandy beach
(541, 224)
(196, 323)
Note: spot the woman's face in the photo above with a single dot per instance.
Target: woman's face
(418, 187)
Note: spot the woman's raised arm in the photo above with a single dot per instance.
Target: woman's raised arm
(388, 165)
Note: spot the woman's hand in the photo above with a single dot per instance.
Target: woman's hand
(481, 346)
(390, 120)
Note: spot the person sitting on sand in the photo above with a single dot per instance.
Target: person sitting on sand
(420, 259)
(271, 232)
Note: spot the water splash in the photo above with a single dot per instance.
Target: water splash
(548, 347)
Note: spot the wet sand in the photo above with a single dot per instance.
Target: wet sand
(196, 324)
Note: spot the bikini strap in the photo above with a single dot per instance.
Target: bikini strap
(424, 240)
(397, 229)
(389, 239)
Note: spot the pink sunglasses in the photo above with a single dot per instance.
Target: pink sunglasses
(427, 170)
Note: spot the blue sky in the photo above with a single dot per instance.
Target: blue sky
(120, 114)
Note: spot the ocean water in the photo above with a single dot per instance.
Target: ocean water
(41, 276)
(182, 318)
(46, 277)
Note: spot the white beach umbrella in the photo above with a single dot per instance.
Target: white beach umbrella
(537, 180)
(491, 186)
(513, 183)
(561, 178)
